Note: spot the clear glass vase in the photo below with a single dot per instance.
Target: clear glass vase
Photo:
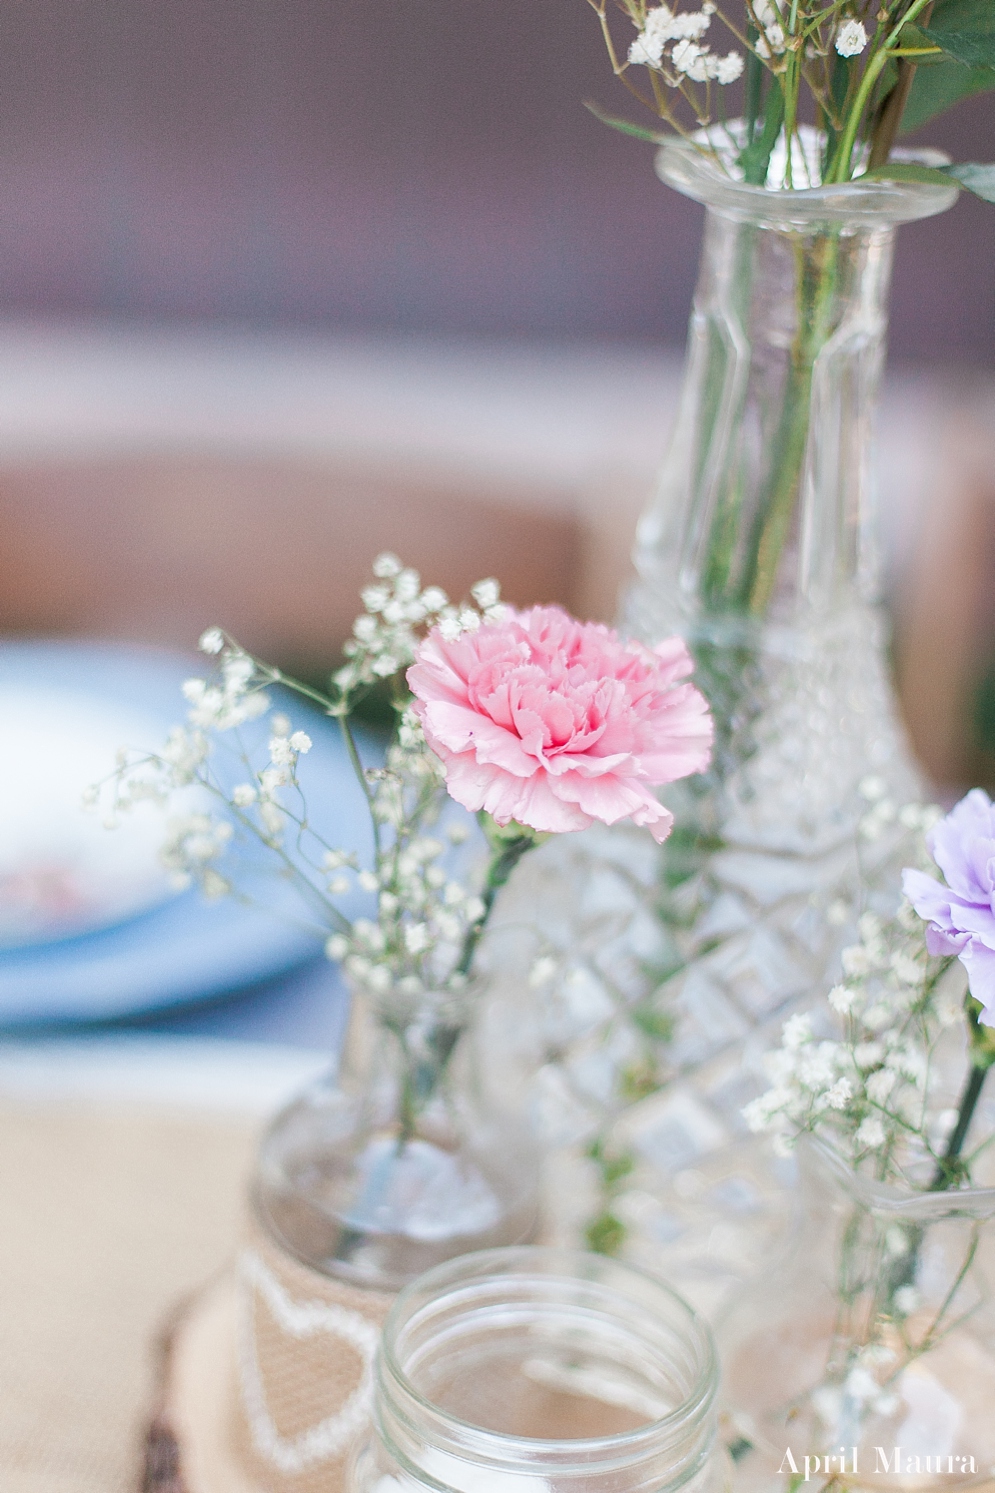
(402, 1157)
(675, 969)
(542, 1369)
(874, 1341)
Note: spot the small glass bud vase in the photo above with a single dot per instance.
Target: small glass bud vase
(871, 1351)
(542, 1369)
(401, 1159)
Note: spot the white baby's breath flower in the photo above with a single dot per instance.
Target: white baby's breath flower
(433, 599)
(855, 960)
(906, 1300)
(542, 971)
(416, 938)
(841, 998)
(796, 1031)
(907, 970)
(375, 598)
(238, 669)
(214, 885)
(726, 69)
(211, 641)
(840, 1094)
(486, 593)
(451, 628)
(339, 885)
(272, 817)
(386, 566)
(301, 742)
(368, 934)
(647, 49)
(871, 1133)
(336, 946)
(880, 1084)
(691, 60)
(851, 38)
(244, 794)
(369, 881)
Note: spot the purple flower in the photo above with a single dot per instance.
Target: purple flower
(961, 915)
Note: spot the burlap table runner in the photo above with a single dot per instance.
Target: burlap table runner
(108, 1217)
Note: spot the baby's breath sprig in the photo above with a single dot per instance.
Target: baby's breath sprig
(428, 921)
(827, 82)
(864, 1071)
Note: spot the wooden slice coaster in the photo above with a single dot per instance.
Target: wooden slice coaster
(189, 1445)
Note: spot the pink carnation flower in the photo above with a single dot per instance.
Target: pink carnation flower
(555, 723)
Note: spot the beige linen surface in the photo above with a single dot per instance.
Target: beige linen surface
(108, 1217)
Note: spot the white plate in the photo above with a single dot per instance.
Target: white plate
(89, 929)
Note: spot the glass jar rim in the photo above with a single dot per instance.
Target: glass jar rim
(528, 1261)
(685, 166)
(891, 1198)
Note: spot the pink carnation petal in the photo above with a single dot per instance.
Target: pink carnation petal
(675, 659)
(557, 723)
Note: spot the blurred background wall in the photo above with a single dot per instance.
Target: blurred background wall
(421, 165)
(282, 284)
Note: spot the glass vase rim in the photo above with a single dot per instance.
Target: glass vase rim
(681, 163)
(629, 1445)
(894, 1197)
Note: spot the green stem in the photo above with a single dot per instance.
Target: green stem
(842, 168)
(817, 275)
(504, 858)
(949, 1169)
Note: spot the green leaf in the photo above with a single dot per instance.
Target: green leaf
(914, 44)
(965, 29)
(977, 178)
(973, 175)
(606, 1234)
(936, 89)
(655, 137)
(908, 171)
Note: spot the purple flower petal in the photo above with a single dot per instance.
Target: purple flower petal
(960, 916)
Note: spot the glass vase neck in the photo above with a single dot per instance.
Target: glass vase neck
(764, 510)
(403, 1156)
(708, 174)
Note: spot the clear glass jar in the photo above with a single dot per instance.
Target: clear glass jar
(541, 1371)
(676, 968)
(877, 1332)
(402, 1157)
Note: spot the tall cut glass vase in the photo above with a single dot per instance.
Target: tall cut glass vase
(675, 968)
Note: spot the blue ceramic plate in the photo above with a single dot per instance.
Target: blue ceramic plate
(89, 927)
